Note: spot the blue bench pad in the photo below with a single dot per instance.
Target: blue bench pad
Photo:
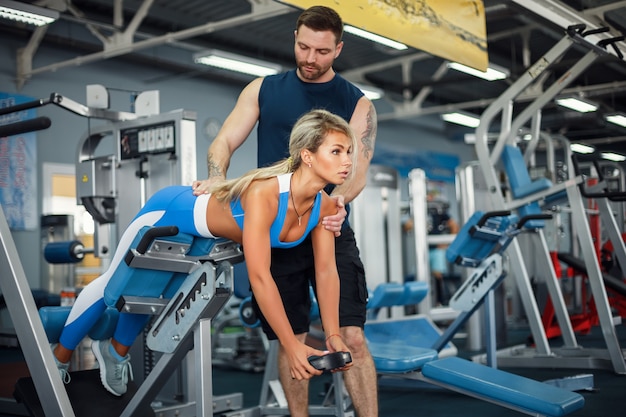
(477, 246)
(416, 331)
(536, 186)
(391, 294)
(400, 358)
(386, 295)
(503, 386)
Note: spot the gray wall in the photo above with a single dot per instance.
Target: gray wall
(208, 98)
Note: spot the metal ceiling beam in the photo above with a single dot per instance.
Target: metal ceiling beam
(262, 10)
(406, 110)
(600, 10)
(563, 16)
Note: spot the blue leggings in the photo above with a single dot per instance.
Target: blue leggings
(171, 206)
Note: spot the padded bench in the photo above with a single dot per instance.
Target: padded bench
(156, 268)
(504, 388)
(403, 346)
(521, 183)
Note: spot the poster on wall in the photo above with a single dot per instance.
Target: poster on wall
(454, 29)
(18, 168)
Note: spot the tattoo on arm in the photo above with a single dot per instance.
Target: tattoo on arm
(369, 136)
(213, 167)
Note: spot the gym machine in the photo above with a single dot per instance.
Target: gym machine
(525, 196)
(120, 164)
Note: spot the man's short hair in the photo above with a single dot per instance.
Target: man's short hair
(321, 18)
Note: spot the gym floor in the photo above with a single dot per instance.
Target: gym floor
(404, 400)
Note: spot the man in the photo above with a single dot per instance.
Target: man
(276, 102)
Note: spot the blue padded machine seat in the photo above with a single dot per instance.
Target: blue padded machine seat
(521, 183)
(517, 172)
(386, 295)
(127, 281)
(392, 294)
(525, 393)
(140, 282)
(399, 359)
(405, 344)
(414, 331)
(477, 246)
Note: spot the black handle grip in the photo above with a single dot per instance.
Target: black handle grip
(530, 217)
(31, 125)
(154, 233)
(490, 214)
(330, 361)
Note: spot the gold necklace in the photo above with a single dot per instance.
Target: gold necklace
(294, 203)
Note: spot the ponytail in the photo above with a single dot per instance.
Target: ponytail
(308, 133)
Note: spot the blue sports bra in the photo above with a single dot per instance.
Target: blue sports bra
(284, 182)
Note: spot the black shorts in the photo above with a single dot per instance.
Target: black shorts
(294, 273)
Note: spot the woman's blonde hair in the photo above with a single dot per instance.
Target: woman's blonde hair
(308, 133)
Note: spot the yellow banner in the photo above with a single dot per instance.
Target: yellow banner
(451, 29)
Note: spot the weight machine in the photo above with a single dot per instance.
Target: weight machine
(525, 196)
(120, 164)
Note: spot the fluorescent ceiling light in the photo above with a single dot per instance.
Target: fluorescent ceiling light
(464, 119)
(237, 63)
(580, 148)
(616, 118)
(577, 104)
(370, 92)
(27, 13)
(611, 156)
(375, 38)
(493, 72)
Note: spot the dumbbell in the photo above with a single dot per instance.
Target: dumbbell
(330, 361)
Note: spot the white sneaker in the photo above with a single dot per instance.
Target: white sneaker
(114, 374)
(62, 367)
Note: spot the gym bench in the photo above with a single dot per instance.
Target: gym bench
(412, 347)
(183, 281)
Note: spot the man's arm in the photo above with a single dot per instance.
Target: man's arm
(365, 125)
(232, 135)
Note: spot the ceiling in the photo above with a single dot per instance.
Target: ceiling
(416, 84)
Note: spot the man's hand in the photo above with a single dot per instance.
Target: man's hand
(333, 223)
(200, 187)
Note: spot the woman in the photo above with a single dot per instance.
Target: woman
(282, 204)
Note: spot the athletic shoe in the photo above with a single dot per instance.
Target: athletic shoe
(62, 367)
(114, 374)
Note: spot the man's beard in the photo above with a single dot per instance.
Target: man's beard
(319, 71)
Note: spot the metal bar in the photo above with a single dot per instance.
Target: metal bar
(417, 192)
(490, 328)
(26, 106)
(595, 279)
(29, 329)
(529, 76)
(554, 290)
(157, 378)
(203, 369)
(269, 10)
(558, 13)
(553, 90)
(522, 280)
(612, 230)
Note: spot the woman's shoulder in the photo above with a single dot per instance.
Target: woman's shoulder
(328, 206)
(264, 187)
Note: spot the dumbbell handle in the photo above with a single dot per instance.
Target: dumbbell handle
(330, 361)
